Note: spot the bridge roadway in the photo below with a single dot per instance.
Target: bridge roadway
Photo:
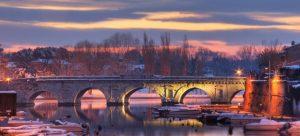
(118, 89)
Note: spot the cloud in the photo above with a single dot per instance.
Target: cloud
(146, 24)
(171, 15)
(288, 21)
(62, 5)
(17, 47)
(220, 46)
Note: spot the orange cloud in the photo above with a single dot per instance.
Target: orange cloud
(61, 5)
(220, 46)
(159, 20)
(17, 47)
(146, 24)
(171, 15)
(288, 21)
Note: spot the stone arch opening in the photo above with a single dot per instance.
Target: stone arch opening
(91, 112)
(42, 97)
(91, 97)
(45, 104)
(45, 111)
(142, 96)
(238, 97)
(195, 96)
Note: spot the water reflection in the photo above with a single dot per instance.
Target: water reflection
(92, 109)
(197, 99)
(132, 120)
(45, 109)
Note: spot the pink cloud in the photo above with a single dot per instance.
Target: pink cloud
(220, 46)
(17, 47)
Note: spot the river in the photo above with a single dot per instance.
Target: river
(133, 120)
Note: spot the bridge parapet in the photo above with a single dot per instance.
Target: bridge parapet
(117, 89)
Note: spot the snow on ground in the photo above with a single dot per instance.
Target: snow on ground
(296, 86)
(8, 92)
(292, 67)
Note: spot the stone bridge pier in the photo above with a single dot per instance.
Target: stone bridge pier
(117, 91)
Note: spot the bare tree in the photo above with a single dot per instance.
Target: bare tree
(149, 53)
(3, 62)
(185, 55)
(165, 54)
(270, 54)
(247, 58)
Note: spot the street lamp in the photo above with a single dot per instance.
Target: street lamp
(8, 79)
(239, 72)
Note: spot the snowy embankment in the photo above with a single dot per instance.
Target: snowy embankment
(296, 86)
(292, 67)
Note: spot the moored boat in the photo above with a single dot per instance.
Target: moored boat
(209, 118)
(294, 127)
(177, 111)
(14, 122)
(68, 126)
(45, 131)
(264, 125)
(238, 118)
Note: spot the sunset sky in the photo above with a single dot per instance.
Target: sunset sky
(220, 25)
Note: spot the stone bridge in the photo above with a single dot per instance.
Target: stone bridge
(118, 89)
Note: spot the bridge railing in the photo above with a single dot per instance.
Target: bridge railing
(142, 77)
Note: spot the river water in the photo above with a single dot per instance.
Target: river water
(133, 120)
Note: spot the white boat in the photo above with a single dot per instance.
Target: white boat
(21, 113)
(264, 125)
(29, 127)
(68, 126)
(294, 127)
(242, 120)
(19, 122)
(177, 110)
(16, 123)
(31, 130)
(23, 127)
(44, 131)
(238, 118)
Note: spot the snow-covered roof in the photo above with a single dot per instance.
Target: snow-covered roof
(11, 65)
(296, 86)
(49, 61)
(292, 67)
(8, 92)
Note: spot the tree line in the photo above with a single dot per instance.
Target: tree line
(123, 54)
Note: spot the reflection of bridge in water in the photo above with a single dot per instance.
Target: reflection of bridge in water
(106, 117)
(117, 119)
(117, 90)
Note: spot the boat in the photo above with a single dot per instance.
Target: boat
(238, 118)
(25, 130)
(264, 125)
(14, 122)
(23, 127)
(174, 123)
(242, 120)
(294, 127)
(21, 114)
(19, 126)
(68, 126)
(209, 118)
(45, 131)
(177, 111)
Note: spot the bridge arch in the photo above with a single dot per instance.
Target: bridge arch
(238, 92)
(186, 92)
(80, 93)
(33, 96)
(44, 111)
(126, 96)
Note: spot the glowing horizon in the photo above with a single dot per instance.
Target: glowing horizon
(65, 22)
